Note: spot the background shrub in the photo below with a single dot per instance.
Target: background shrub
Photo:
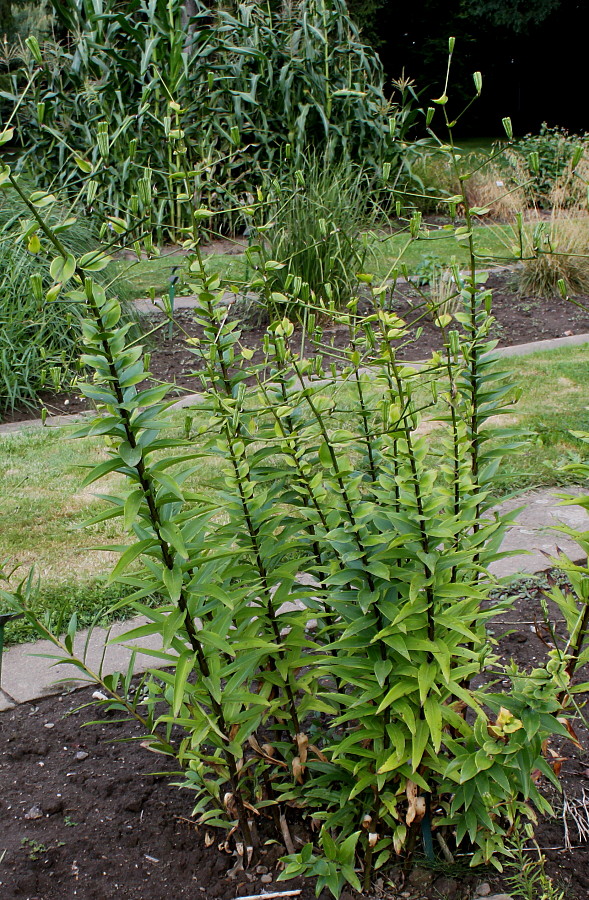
(544, 157)
(226, 96)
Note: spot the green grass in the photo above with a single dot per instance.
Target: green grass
(435, 245)
(554, 402)
(384, 251)
(142, 276)
(43, 507)
(491, 243)
(42, 521)
(478, 144)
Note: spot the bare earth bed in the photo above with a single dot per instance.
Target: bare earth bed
(520, 320)
(85, 814)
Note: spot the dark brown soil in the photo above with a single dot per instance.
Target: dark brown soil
(82, 814)
(101, 826)
(520, 320)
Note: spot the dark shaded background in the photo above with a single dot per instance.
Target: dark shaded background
(533, 72)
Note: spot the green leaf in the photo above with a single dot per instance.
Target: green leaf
(94, 261)
(172, 534)
(6, 136)
(325, 456)
(132, 505)
(40, 199)
(130, 455)
(83, 164)
(34, 244)
(184, 667)
(419, 743)
(172, 579)
(426, 676)
(130, 554)
(100, 471)
(62, 269)
(433, 715)
(381, 669)
(401, 689)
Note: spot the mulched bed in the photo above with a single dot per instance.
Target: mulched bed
(520, 319)
(82, 814)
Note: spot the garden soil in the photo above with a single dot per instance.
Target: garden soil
(519, 320)
(87, 813)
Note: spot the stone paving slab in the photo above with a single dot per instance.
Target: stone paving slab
(573, 340)
(28, 675)
(6, 702)
(532, 535)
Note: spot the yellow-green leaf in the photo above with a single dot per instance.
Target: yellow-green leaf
(94, 261)
(184, 667)
(83, 164)
(62, 269)
(6, 135)
(34, 244)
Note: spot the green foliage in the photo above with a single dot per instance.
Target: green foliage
(30, 18)
(311, 246)
(518, 15)
(195, 114)
(321, 634)
(323, 612)
(55, 603)
(39, 339)
(333, 869)
(545, 157)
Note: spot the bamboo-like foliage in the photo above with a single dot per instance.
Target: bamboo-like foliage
(227, 96)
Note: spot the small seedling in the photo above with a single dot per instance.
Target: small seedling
(34, 847)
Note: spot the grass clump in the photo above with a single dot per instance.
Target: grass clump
(314, 236)
(558, 256)
(554, 257)
(56, 602)
(39, 338)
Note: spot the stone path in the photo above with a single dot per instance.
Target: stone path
(27, 675)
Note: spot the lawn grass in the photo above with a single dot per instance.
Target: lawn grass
(438, 246)
(385, 250)
(142, 276)
(554, 403)
(42, 521)
(478, 144)
(43, 507)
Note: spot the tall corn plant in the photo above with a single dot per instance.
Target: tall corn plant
(227, 96)
(323, 614)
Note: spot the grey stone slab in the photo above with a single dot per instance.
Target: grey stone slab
(6, 702)
(50, 422)
(189, 301)
(28, 675)
(573, 340)
(187, 401)
(534, 536)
